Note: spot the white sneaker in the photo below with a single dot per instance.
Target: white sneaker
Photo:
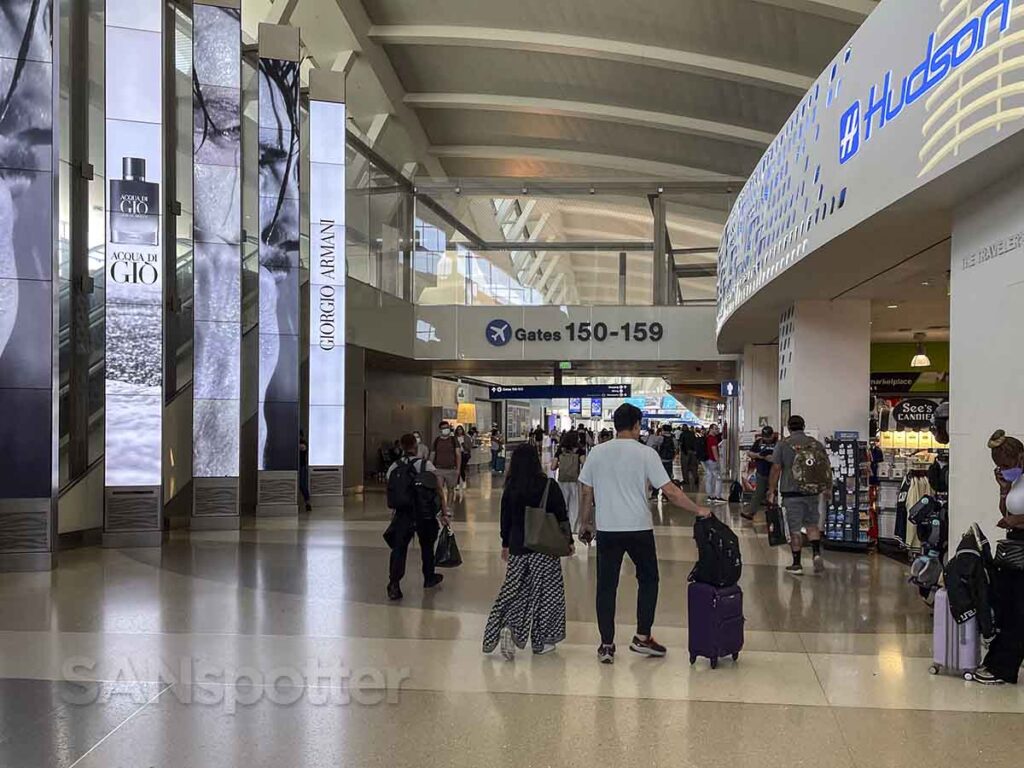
(507, 644)
(819, 564)
(548, 648)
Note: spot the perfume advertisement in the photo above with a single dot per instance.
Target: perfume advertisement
(26, 248)
(134, 260)
(279, 264)
(217, 190)
(327, 283)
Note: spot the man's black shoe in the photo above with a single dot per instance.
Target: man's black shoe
(433, 581)
(394, 592)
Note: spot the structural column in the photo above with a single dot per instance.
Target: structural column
(326, 285)
(986, 365)
(759, 387)
(29, 381)
(278, 163)
(217, 256)
(133, 511)
(825, 366)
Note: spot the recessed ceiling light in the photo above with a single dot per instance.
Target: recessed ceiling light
(893, 306)
(925, 283)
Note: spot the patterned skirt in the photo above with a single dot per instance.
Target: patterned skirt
(531, 603)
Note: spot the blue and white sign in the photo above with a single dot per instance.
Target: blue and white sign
(575, 406)
(730, 389)
(596, 408)
(499, 332)
(884, 106)
(556, 392)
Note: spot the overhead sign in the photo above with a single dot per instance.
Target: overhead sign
(730, 389)
(575, 406)
(596, 408)
(500, 332)
(909, 381)
(559, 392)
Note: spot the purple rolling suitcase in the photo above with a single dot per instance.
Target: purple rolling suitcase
(956, 648)
(715, 621)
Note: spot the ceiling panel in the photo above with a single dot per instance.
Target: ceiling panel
(591, 136)
(444, 69)
(740, 29)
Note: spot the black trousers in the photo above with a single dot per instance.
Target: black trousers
(1006, 653)
(640, 546)
(426, 532)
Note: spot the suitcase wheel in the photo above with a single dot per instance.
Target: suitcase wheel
(693, 659)
(968, 675)
(714, 662)
(735, 657)
(933, 669)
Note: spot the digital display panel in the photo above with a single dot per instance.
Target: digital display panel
(596, 407)
(327, 283)
(575, 406)
(134, 251)
(26, 249)
(217, 192)
(279, 264)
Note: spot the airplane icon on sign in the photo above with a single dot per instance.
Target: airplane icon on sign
(498, 332)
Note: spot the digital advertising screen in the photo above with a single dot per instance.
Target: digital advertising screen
(575, 406)
(134, 252)
(327, 283)
(26, 249)
(596, 407)
(279, 264)
(217, 192)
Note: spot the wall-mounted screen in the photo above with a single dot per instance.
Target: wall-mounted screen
(327, 283)
(279, 264)
(217, 191)
(26, 249)
(134, 252)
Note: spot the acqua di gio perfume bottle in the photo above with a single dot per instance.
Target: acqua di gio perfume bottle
(134, 205)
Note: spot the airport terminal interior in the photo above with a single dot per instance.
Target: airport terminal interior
(348, 346)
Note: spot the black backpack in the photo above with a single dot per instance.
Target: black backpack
(702, 449)
(735, 492)
(402, 485)
(718, 553)
(667, 449)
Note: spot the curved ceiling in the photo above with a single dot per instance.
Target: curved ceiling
(590, 90)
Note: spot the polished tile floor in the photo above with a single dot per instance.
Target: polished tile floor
(276, 646)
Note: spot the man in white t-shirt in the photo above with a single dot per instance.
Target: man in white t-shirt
(617, 474)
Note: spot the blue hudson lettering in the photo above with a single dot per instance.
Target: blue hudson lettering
(884, 104)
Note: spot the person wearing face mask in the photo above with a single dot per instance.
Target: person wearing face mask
(446, 456)
(1006, 652)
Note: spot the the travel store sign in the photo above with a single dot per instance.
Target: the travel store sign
(500, 332)
(884, 104)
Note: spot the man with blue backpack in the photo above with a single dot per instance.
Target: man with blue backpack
(418, 509)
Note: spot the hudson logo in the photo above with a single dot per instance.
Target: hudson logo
(885, 103)
(499, 332)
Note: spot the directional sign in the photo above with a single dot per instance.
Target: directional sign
(555, 392)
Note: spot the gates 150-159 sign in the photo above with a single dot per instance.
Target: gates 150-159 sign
(500, 332)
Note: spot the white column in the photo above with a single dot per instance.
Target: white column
(825, 364)
(759, 386)
(986, 363)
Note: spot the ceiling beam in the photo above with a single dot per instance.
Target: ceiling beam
(590, 111)
(594, 48)
(850, 11)
(574, 157)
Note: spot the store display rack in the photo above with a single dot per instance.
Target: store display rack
(848, 519)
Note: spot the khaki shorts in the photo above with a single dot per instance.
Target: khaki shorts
(450, 477)
(801, 512)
